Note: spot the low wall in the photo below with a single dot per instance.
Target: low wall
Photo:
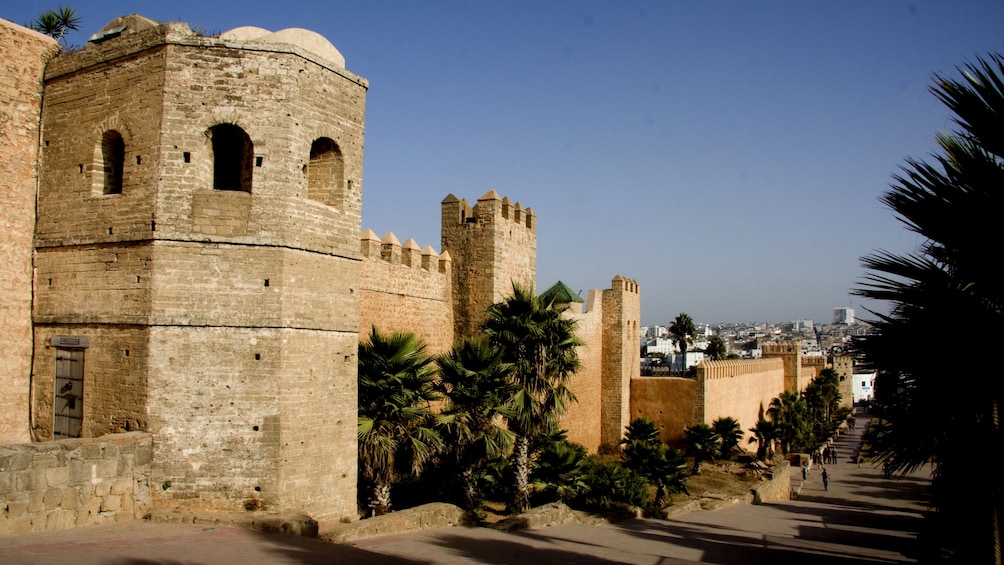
(63, 484)
(777, 487)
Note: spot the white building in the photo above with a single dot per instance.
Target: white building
(863, 386)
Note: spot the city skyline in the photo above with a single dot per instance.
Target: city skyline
(728, 157)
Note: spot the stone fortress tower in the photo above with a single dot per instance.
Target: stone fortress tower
(493, 244)
(197, 248)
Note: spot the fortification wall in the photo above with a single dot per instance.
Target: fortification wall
(844, 366)
(583, 419)
(25, 53)
(74, 482)
(740, 389)
(667, 401)
(407, 289)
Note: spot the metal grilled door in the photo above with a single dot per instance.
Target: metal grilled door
(69, 401)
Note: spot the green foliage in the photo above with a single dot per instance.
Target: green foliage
(765, 435)
(717, 348)
(609, 485)
(558, 472)
(396, 428)
(790, 414)
(702, 443)
(954, 204)
(731, 433)
(541, 344)
(647, 456)
(475, 382)
(683, 331)
(55, 23)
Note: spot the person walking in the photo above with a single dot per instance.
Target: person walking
(805, 470)
(826, 479)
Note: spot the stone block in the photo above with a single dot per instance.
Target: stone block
(58, 476)
(52, 497)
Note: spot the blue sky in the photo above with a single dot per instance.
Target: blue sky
(729, 156)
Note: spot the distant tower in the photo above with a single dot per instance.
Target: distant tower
(843, 315)
(492, 244)
(621, 335)
(198, 232)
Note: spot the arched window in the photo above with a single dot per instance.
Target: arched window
(233, 154)
(325, 172)
(109, 162)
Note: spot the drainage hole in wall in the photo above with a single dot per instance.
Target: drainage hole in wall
(255, 428)
(257, 356)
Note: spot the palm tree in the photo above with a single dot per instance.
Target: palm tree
(477, 387)
(541, 344)
(765, 436)
(702, 443)
(789, 413)
(682, 331)
(645, 454)
(396, 428)
(950, 281)
(559, 472)
(55, 23)
(731, 433)
(717, 349)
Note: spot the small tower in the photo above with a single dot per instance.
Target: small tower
(493, 245)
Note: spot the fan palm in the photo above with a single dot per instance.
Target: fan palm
(541, 344)
(475, 382)
(55, 23)
(702, 443)
(682, 331)
(396, 428)
(954, 204)
(731, 433)
(765, 436)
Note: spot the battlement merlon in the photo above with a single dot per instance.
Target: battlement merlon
(489, 209)
(390, 250)
(622, 284)
(142, 34)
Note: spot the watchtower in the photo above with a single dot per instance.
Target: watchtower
(493, 244)
(197, 259)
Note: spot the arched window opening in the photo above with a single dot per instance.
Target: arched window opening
(233, 158)
(112, 158)
(325, 172)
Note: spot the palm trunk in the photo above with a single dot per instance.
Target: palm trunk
(521, 468)
(468, 494)
(380, 501)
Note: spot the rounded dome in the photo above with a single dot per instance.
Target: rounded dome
(245, 33)
(309, 41)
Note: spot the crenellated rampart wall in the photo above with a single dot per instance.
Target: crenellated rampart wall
(405, 288)
(740, 389)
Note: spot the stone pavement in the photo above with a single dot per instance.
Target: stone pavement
(862, 517)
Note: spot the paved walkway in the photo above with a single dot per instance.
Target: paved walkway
(862, 517)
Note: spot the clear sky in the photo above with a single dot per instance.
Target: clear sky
(729, 156)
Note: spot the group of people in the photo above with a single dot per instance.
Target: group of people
(827, 456)
(826, 475)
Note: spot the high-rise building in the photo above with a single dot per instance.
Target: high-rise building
(843, 315)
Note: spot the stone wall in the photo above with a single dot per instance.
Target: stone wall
(583, 417)
(740, 389)
(492, 244)
(777, 487)
(406, 289)
(667, 401)
(25, 53)
(74, 482)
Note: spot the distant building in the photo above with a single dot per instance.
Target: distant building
(863, 387)
(843, 315)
